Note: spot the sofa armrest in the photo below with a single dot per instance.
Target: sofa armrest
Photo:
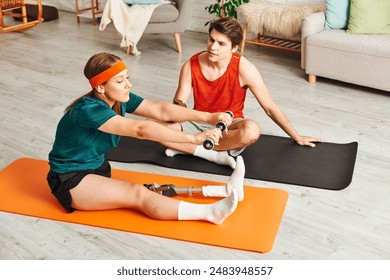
(313, 23)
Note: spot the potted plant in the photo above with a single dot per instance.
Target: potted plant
(222, 8)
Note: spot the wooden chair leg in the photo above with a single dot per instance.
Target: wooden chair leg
(178, 42)
(24, 12)
(76, 4)
(312, 78)
(1, 21)
(244, 38)
(93, 10)
(128, 50)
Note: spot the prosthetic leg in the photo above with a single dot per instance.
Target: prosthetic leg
(236, 182)
(206, 191)
(172, 190)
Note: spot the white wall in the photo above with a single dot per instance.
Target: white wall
(200, 16)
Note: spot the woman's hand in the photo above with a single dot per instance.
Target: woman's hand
(215, 134)
(220, 117)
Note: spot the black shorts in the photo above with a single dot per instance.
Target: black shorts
(61, 183)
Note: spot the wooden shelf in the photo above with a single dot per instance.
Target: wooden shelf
(272, 42)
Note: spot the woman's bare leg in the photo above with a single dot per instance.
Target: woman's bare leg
(101, 193)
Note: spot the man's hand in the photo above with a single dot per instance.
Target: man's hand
(307, 141)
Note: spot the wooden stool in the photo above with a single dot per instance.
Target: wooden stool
(90, 12)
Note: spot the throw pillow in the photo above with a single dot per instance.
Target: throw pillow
(369, 17)
(142, 2)
(337, 14)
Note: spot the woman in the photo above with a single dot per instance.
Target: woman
(79, 175)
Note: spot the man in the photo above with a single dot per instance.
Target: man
(219, 79)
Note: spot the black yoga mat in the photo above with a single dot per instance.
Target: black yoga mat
(271, 158)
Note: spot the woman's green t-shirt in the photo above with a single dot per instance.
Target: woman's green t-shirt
(78, 144)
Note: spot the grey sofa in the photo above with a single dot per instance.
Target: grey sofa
(353, 58)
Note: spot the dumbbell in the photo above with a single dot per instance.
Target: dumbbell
(208, 144)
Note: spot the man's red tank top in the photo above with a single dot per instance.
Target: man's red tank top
(223, 94)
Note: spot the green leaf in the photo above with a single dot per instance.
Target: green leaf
(237, 3)
(229, 8)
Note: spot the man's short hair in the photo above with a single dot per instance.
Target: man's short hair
(230, 27)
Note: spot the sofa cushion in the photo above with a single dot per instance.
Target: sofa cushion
(337, 39)
(353, 58)
(165, 13)
(337, 14)
(369, 17)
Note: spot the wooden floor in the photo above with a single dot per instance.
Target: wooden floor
(41, 73)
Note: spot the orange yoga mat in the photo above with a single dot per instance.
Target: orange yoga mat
(253, 226)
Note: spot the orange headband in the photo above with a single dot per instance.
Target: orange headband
(107, 74)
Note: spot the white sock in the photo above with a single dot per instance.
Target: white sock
(220, 157)
(172, 152)
(236, 182)
(214, 213)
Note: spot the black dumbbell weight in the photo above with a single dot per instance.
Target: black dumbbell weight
(208, 144)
